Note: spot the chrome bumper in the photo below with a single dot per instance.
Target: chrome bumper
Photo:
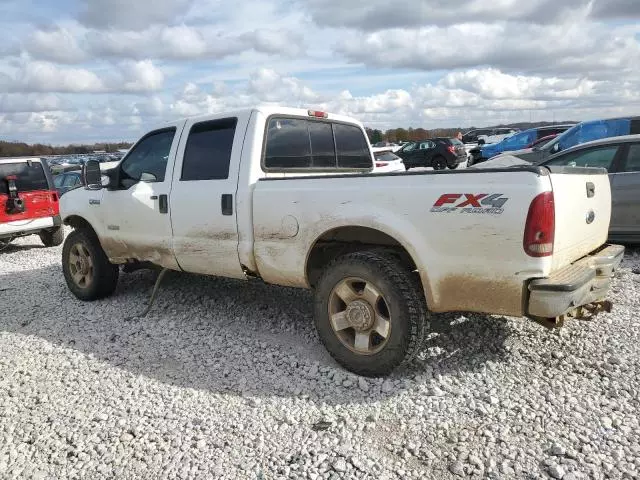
(579, 284)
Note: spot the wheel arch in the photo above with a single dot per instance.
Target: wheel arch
(344, 239)
(77, 222)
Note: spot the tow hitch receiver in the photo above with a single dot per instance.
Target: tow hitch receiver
(585, 312)
(14, 204)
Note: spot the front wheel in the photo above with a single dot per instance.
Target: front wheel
(370, 313)
(87, 270)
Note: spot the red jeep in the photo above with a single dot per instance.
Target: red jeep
(28, 202)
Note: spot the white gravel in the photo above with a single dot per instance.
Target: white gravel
(226, 379)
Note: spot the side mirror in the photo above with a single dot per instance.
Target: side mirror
(91, 175)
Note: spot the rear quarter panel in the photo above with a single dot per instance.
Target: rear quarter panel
(470, 258)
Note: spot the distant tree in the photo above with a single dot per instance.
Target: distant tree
(21, 149)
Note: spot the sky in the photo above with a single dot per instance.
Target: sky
(109, 70)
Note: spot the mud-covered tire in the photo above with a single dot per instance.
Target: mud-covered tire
(52, 238)
(402, 294)
(104, 278)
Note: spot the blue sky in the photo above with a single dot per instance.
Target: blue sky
(93, 70)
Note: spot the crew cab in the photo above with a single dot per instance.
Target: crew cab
(28, 202)
(287, 196)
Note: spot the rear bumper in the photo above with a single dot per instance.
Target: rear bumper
(584, 282)
(21, 228)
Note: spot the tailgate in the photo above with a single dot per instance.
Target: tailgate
(582, 198)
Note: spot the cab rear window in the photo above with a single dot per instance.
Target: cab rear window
(30, 176)
(301, 144)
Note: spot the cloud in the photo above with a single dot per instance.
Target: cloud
(375, 15)
(550, 48)
(45, 77)
(179, 42)
(131, 14)
(141, 76)
(60, 45)
(14, 103)
(269, 86)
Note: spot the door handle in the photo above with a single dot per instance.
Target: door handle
(227, 204)
(591, 190)
(163, 204)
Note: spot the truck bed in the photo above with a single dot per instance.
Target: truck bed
(469, 251)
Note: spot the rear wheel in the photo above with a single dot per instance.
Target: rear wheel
(370, 313)
(439, 163)
(87, 270)
(52, 238)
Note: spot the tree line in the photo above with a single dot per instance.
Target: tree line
(21, 149)
(408, 134)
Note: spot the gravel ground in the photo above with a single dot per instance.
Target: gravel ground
(226, 379)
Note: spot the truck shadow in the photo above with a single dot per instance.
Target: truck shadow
(227, 336)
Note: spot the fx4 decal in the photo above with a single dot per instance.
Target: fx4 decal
(482, 203)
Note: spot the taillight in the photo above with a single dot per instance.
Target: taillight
(451, 149)
(539, 231)
(382, 164)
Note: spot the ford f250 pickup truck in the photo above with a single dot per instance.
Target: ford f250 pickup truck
(286, 195)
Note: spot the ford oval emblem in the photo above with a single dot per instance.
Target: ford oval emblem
(591, 216)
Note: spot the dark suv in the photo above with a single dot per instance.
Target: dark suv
(438, 153)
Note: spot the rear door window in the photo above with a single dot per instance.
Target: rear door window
(594, 157)
(30, 177)
(207, 155)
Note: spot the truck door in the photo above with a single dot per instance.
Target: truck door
(136, 211)
(203, 198)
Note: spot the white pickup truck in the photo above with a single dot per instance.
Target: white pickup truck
(286, 195)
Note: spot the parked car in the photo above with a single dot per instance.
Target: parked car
(438, 153)
(29, 203)
(67, 181)
(377, 250)
(514, 142)
(480, 136)
(579, 134)
(386, 162)
(621, 157)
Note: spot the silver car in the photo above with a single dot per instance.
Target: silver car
(621, 157)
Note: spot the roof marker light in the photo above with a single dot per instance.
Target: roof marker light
(317, 114)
